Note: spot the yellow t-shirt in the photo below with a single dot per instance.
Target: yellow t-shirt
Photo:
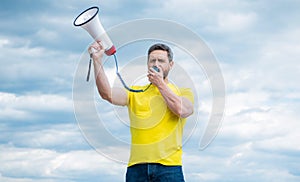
(156, 133)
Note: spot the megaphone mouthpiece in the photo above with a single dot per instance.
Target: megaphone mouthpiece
(89, 21)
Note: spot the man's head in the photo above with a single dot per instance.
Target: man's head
(162, 47)
(160, 55)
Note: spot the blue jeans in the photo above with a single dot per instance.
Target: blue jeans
(153, 172)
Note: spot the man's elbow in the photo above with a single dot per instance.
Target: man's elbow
(186, 109)
(186, 113)
(183, 112)
(107, 98)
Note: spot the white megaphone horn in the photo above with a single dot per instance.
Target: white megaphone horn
(89, 20)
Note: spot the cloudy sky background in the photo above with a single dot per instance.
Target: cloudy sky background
(257, 47)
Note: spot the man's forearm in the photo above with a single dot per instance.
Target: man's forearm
(178, 105)
(102, 83)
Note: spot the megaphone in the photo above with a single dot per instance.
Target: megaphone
(89, 20)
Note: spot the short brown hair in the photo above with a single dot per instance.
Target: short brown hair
(163, 47)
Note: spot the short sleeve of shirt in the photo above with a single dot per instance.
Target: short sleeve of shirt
(187, 93)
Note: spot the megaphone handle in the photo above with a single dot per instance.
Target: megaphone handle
(89, 70)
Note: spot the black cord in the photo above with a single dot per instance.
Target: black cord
(89, 70)
(118, 74)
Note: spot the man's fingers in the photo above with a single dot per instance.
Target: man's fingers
(100, 43)
(151, 71)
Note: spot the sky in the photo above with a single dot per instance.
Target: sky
(255, 44)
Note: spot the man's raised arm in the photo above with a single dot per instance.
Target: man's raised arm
(116, 96)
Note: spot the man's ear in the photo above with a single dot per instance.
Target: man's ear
(171, 64)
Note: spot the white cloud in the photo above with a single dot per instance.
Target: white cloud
(4, 42)
(47, 35)
(214, 16)
(21, 107)
(206, 176)
(63, 137)
(22, 163)
(255, 117)
(244, 101)
(279, 65)
(235, 22)
(230, 162)
(24, 68)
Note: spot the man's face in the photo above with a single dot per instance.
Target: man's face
(160, 59)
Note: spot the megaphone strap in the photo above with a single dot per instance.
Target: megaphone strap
(118, 74)
(123, 82)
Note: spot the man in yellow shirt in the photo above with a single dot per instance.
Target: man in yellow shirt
(157, 117)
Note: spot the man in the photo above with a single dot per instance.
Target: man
(157, 117)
